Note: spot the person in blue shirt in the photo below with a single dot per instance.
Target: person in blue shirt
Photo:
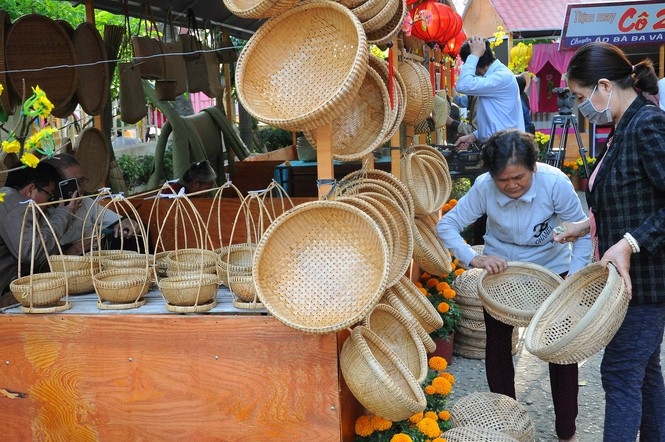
(523, 201)
(526, 105)
(482, 75)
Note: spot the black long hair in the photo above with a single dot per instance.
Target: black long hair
(509, 147)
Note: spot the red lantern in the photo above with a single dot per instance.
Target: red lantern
(432, 30)
(453, 30)
(453, 45)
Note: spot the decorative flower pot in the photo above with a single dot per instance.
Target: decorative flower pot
(584, 182)
(444, 348)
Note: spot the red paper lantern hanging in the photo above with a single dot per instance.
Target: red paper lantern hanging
(453, 45)
(431, 30)
(455, 27)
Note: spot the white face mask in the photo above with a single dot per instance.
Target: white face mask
(594, 115)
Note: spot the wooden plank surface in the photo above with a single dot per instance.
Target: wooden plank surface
(166, 377)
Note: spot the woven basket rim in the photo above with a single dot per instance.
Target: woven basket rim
(428, 251)
(414, 300)
(386, 33)
(511, 314)
(93, 82)
(381, 175)
(595, 319)
(92, 152)
(381, 18)
(338, 95)
(318, 209)
(260, 8)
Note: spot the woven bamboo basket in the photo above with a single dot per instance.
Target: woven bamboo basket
(580, 317)
(303, 67)
(419, 306)
(39, 290)
(381, 18)
(315, 252)
(493, 411)
(189, 291)
(125, 260)
(190, 259)
(121, 288)
(476, 434)
(363, 125)
(369, 9)
(80, 282)
(235, 260)
(361, 186)
(390, 30)
(471, 312)
(440, 168)
(391, 299)
(419, 92)
(397, 111)
(61, 263)
(378, 379)
(396, 187)
(160, 263)
(428, 251)
(514, 295)
(467, 351)
(243, 288)
(258, 8)
(420, 177)
(466, 286)
(401, 336)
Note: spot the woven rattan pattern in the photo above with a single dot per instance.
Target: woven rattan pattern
(121, 285)
(92, 88)
(428, 251)
(514, 295)
(321, 266)
(397, 111)
(493, 411)
(382, 18)
(369, 9)
(189, 290)
(92, 152)
(258, 8)
(40, 289)
(419, 306)
(419, 92)
(80, 282)
(388, 31)
(580, 317)
(466, 286)
(380, 182)
(474, 434)
(378, 379)
(441, 171)
(302, 68)
(390, 298)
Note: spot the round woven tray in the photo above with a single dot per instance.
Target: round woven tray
(388, 31)
(92, 152)
(258, 8)
(475, 434)
(67, 108)
(401, 336)
(303, 67)
(40, 289)
(378, 379)
(493, 411)
(124, 287)
(8, 98)
(363, 125)
(189, 290)
(35, 42)
(422, 180)
(397, 111)
(419, 306)
(428, 251)
(419, 92)
(381, 216)
(379, 177)
(514, 295)
(391, 299)
(314, 253)
(79, 282)
(380, 19)
(580, 317)
(92, 89)
(369, 9)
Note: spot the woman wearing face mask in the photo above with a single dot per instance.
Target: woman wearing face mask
(523, 201)
(627, 199)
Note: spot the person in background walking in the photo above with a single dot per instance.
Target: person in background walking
(627, 200)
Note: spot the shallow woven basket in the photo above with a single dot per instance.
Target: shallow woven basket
(419, 92)
(258, 8)
(316, 252)
(387, 179)
(190, 260)
(391, 299)
(400, 335)
(396, 113)
(122, 286)
(363, 125)
(417, 303)
(189, 290)
(428, 251)
(476, 434)
(40, 289)
(422, 180)
(242, 286)
(466, 286)
(380, 19)
(471, 311)
(378, 379)
(580, 317)
(125, 261)
(60, 263)
(388, 31)
(514, 295)
(493, 411)
(303, 67)
(79, 282)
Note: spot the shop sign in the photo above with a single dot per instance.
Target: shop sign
(619, 23)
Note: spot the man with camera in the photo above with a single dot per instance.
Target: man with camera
(498, 100)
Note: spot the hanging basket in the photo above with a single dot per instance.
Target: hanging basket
(41, 292)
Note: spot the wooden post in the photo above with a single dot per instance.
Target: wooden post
(230, 111)
(325, 169)
(395, 141)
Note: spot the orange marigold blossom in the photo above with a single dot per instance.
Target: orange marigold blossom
(418, 284)
(425, 276)
(443, 307)
(429, 427)
(432, 282)
(439, 439)
(443, 285)
(364, 426)
(416, 417)
(381, 424)
(446, 207)
(442, 385)
(452, 202)
(401, 437)
(424, 291)
(444, 415)
(437, 363)
(430, 390)
(448, 376)
(431, 415)
(459, 272)
(449, 293)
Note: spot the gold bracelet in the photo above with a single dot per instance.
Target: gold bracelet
(635, 247)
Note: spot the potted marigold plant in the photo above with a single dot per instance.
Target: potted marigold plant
(428, 425)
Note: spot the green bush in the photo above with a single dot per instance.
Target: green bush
(136, 170)
(274, 138)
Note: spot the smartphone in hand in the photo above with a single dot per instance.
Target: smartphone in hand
(68, 187)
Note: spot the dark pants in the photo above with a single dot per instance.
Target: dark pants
(501, 375)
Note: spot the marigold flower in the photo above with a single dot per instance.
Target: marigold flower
(418, 284)
(401, 437)
(439, 439)
(442, 385)
(458, 272)
(425, 276)
(438, 363)
(443, 307)
(381, 424)
(431, 415)
(443, 285)
(449, 293)
(444, 415)
(430, 390)
(416, 418)
(432, 282)
(29, 160)
(446, 207)
(423, 290)
(429, 427)
(364, 426)
(12, 146)
(452, 202)
(448, 376)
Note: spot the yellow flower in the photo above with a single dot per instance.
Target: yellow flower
(430, 390)
(458, 272)
(11, 146)
(1, 89)
(448, 376)
(2, 195)
(401, 437)
(443, 307)
(416, 418)
(449, 293)
(438, 363)
(429, 427)
(439, 439)
(364, 426)
(444, 415)
(29, 160)
(442, 385)
(431, 415)
(381, 424)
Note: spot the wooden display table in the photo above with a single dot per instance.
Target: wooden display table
(148, 374)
